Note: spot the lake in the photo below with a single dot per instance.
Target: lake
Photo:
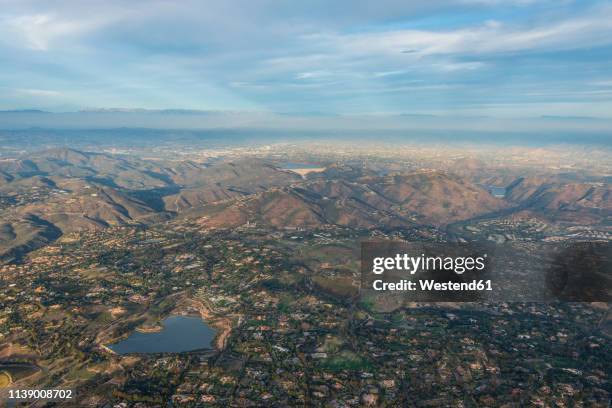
(179, 334)
(294, 165)
(499, 192)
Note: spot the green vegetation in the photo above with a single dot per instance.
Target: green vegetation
(346, 360)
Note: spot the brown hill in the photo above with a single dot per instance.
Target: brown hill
(75, 205)
(197, 197)
(87, 205)
(576, 202)
(17, 237)
(571, 196)
(294, 208)
(245, 175)
(62, 190)
(222, 181)
(428, 198)
(121, 171)
(523, 188)
(436, 198)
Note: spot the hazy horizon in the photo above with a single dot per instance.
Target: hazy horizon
(544, 129)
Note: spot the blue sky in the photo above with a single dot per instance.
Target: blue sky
(466, 58)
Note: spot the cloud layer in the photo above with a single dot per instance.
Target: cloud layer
(521, 58)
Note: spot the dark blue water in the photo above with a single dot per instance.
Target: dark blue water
(180, 333)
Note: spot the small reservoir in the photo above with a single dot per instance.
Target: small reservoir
(499, 192)
(294, 166)
(179, 334)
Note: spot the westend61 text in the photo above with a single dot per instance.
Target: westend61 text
(431, 285)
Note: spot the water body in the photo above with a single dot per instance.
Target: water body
(294, 165)
(499, 192)
(179, 334)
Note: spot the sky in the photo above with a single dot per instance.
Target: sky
(495, 59)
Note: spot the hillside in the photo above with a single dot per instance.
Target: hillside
(576, 202)
(427, 198)
(64, 206)
(57, 191)
(436, 198)
(20, 236)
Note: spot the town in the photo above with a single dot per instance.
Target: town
(288, 329)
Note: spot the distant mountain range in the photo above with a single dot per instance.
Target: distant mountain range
(53, 192)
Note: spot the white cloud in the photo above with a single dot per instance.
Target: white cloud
(397, 52)
(591, 29)
(39, 92)
(459, 66)
(45, 29)
(313, 75)
(289, 56)
(39, 30)
(602, 83)
(382, 74)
